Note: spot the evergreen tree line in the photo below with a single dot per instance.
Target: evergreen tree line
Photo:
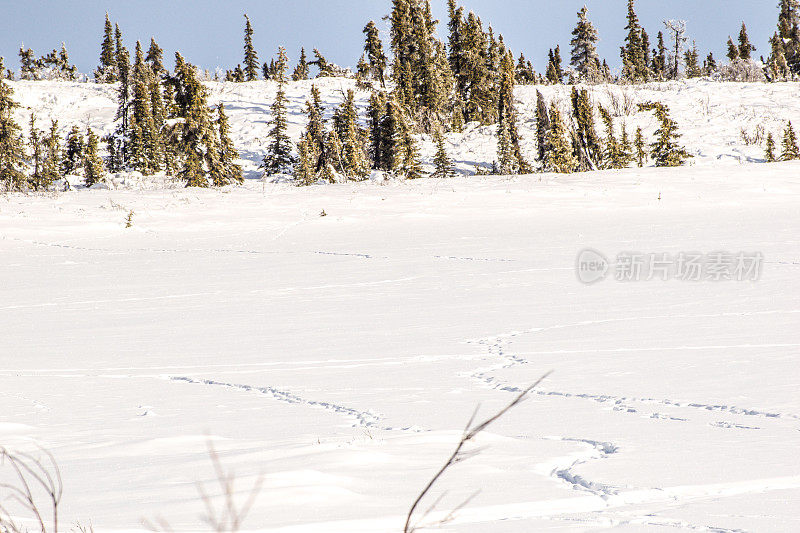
(44, 159)
(53, 66)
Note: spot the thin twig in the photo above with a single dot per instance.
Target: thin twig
(470, 432)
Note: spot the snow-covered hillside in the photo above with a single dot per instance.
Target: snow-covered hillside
(711, 115)
(340, 356)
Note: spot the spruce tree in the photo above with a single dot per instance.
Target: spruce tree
(733, 50)
(552, 72)
(107, 71)
(194, 139)
(638, 144)
(315, 136)
(659, 66)
(12, 150)
(145, 154)
(587, 145)
(509, 139)
(73, 151)
(301, 70)
(559, 156)
(612, 151)
(373, 47)
(250, 55)
(122, 134)
(770, 151)
(710, 64)
(304, 168)
(442, 164)
(322, 64)
(787, 40)
(665, 151)
(789, 147)
(37, 154)
(745, 47)
(376, 110)
(691, 58)
(626, 149)
(93, 170)
(155, 57)
(355, 160)
(542, 125)
(51, 163)
(584, 48)
(29, 65)
(409, 165)
(633, 66)
(279, 159)
(227, 171)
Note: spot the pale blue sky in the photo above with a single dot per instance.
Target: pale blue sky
(209, 33)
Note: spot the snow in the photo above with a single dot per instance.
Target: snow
(340, 357)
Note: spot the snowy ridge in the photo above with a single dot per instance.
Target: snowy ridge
(712, 117)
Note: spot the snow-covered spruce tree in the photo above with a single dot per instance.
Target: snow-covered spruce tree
(665, 150)
(626, 148)
(587, 146)
(555, 74)
(304, 169)
(301, 70)
(28, 63)
(584, 48)
(659, 63)
(647, 72)
(250, 55)
(709, 65)
(769, 153)
(376, 109)
(37, 153)
(72, 159)
(314, 141)
(373, 48)
(542, 125)
(325, 69)
(155, 58)
(789, 149)
(93, 170)
(442, 164)
(12, 149)
(633, 65)
(559, 156)
(691, 58)
(612, 150)
(787, 39)
(409, 165)
(509, 151)
(145, 140)
(745, 46)
(107, 71)
(192, 136)
(51, 163)
(121, 136)
(355, 160)
(421, 69)
(226, 171)
(279, 159)
(639, 147)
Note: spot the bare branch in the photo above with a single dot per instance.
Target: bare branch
(470, 432)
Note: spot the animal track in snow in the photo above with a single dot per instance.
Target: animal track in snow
(367, 418)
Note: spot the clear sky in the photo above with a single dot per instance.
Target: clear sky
(209, 33)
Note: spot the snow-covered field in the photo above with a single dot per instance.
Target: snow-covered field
(340, 356)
